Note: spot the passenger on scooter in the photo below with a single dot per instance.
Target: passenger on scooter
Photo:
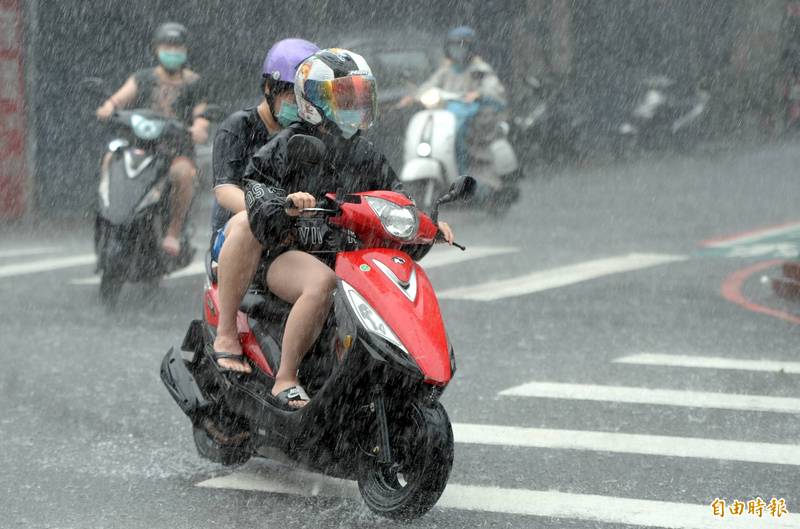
(336, 99)
(244, 132)
(480, 112)
(173, 90)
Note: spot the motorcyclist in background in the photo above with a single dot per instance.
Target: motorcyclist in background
(336, 99)
(480, 111)
(172, 90)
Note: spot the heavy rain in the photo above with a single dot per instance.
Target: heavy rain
(523, 263)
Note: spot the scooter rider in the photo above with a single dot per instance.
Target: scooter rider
(336, 99)
(480, 111)
(170, 89)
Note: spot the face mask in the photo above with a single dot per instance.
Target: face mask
(457, 53)
(172, 60)
(346, 122)
(287, 114)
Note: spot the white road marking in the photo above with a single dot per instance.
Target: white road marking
(665, 397)
(554, 504)
(710, 362)
(46, 265)
(625, 443)
(20, 252)
(557, 277)
(448, 256)
(196, 268)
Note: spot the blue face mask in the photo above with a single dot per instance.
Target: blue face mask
(287, 114)
(172, 60)
(347, 122)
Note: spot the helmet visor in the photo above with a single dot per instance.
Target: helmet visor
(350, 102)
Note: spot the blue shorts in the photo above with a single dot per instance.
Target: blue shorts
(216, 248)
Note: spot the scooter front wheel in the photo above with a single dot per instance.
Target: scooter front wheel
(422, 450)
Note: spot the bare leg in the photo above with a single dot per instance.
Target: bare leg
(301, 279)
(238, 262)
(182, 173)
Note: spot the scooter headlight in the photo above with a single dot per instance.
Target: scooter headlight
(424, 149)
(431, 98)
(147, 129)
(398, 221)
(369, 318)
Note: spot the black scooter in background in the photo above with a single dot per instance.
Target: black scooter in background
(133, 200)
(665, 114)
(546, 123)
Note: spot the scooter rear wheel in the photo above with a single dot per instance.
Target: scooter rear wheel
(213, 450)
(422, 449)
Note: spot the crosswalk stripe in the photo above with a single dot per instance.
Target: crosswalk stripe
(666, 397)
(552, 504)
(625, 443)
(196, 268)
(46, 265)
(557, 277)
(21, 252)
(447, 256)
(710, 362)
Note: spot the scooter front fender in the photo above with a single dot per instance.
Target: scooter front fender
(397, 290)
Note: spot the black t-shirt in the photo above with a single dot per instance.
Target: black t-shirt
(171, 99)
(236, 141)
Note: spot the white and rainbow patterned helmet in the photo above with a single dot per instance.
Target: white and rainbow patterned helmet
(336, 86)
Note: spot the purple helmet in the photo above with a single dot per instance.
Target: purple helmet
(284, 57)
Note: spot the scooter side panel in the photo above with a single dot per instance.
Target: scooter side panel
(505, 160)
(126, 193)
(247, 338)
(412, 313)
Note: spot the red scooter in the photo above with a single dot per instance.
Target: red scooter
(374, 376)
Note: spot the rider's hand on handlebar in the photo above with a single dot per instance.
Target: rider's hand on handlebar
(403, 103)
(105, 111)
(446, 232)
(471, 97)
(199, 131)
(301, 201)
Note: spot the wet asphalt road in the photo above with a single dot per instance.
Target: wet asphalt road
(89, 438)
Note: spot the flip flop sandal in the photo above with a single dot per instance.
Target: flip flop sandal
(292, 394)
(220, 356)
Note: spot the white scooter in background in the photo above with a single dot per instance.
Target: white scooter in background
(429, 161)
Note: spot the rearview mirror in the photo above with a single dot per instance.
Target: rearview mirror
(461, 189)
